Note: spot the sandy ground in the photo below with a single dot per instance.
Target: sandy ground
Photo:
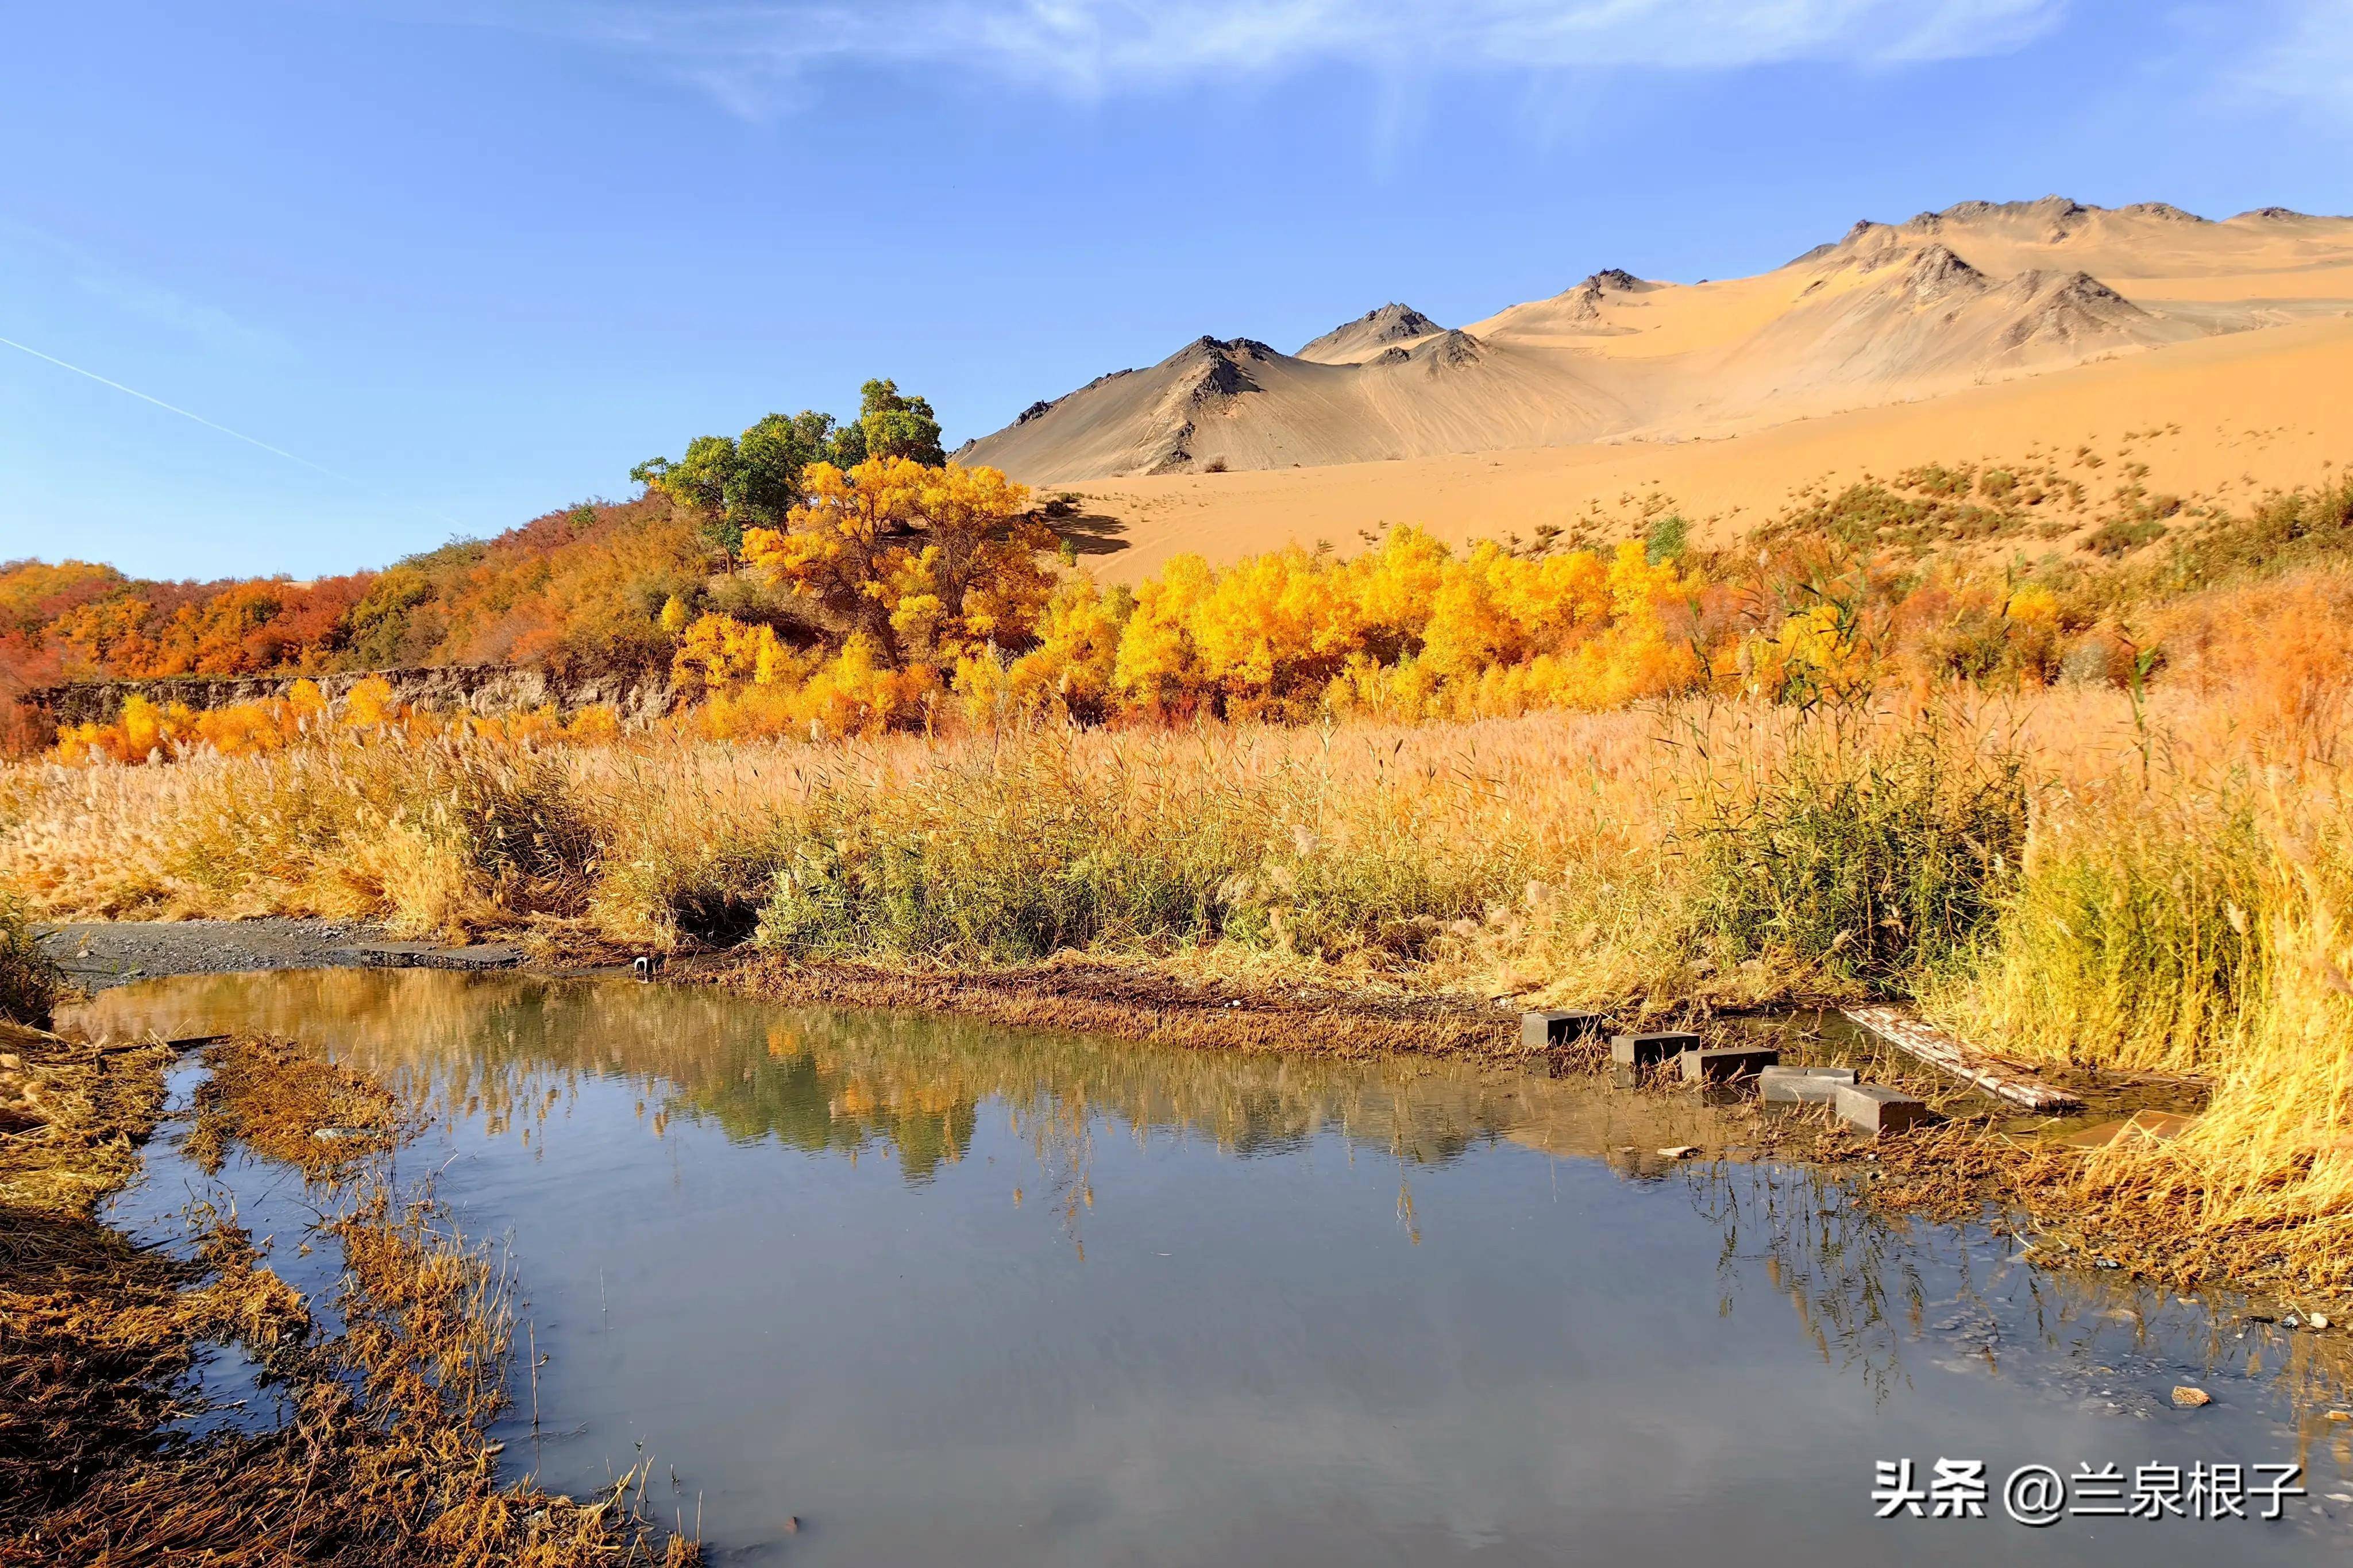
(2224, 417)
(100, 954)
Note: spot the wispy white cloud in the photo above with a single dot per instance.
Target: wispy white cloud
(2305, 55)
(742, 51)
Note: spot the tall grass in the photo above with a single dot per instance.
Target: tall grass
(30, 980)
(1034, 843)
(1869, 854)
(2271, 1159)
(2134, 937)
(2276, 1147)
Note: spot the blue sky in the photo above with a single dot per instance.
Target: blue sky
(454, 263)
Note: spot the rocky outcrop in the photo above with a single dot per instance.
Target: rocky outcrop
(2066, 308)
(1370, 335)
(468, 688)
(1450, 347)
(1215, 370)
(1936, 274)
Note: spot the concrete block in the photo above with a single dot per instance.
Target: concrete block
(1802, 1086)
(1876, 1107)
(1727, 1062)
(1550, 1031)
(1650, 1050)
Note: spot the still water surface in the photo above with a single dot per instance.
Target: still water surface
(945, 1293)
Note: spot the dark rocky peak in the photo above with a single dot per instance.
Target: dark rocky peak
(1585, 299)
(2067, 307)
(1225, 350)
(1397, 321)
(1214, 369)
(2081, 289)
(1937, 273)
(1456, 347)
(2058, 210)
(1392, 323)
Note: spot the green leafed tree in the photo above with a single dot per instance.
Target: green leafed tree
(754, 480)
(897, 426)
(699, 483)
(770, 456)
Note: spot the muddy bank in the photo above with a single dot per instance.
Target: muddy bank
(100, 954)
(1129, 1001)
(1133, 1002)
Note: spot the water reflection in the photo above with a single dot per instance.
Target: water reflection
(514, 1050)
(960, 1294)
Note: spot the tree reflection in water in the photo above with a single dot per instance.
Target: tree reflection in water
(1870, 1290)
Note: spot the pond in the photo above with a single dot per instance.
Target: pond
(889, 1289)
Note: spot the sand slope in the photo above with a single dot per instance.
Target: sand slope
(1946, 303)
(2218, 416)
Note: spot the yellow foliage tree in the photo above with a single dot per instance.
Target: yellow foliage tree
(928, 563)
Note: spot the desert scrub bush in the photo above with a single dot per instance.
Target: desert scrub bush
(2133, 937)
(1028, 848)
(1860, 854)
(29, 978)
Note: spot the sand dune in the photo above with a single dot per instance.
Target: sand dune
(2224, 417)
(1943, 305)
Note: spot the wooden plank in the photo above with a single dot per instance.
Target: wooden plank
(1972, 1066)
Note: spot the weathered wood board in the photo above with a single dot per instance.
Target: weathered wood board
(1941, 1050)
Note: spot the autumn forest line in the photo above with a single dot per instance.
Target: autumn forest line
(814, 577)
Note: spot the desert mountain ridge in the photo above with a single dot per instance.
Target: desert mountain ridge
(1978, 292)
